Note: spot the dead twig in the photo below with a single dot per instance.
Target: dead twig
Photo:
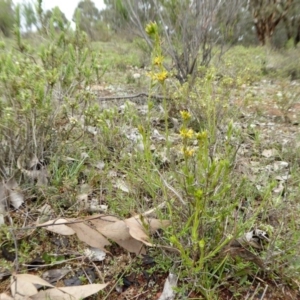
(140, 95)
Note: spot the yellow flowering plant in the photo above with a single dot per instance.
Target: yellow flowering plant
(162, 76)
(186, 133)
(197, 173)
(152, 29)
(158, 60)
(158, 73)
(185, 115)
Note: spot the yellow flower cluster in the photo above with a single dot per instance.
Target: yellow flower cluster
(160, 77)
(185, 115)
(159, 73)
(151, 28)
(158, 60)
(186, 133)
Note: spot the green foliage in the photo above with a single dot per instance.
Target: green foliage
(88, 19)
(206, 191)
(283, 64)
(56, 18)
(202, 223)
(243, 65)
(43, 93)
(29, 15)
(198, 226)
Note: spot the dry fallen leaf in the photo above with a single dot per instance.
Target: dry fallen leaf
(112, 227)
(117, 231)
(4, 296)
(70, 293)
(137, 228)
(58, 226)
(53, 294)
(90, 236)
(23, 285)
(130, 233)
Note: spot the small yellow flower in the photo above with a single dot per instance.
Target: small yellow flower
(188, 152)
(158, 60)
(162, 76)
(151, 28)
(186, 133)
(201, 135)
(185, 115)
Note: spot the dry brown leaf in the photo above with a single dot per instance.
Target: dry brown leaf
(155, 224)
(130, 233)
(132, 246)
(22, 285)
(32, 279)
(53, 294)
(137, 229)
(4, 296)
(90, 236)
(117, 230)
(83, 291)
(61, 228)
(70, 293)
(112, 228)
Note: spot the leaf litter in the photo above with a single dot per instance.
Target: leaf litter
(25, 286)
(130, 233)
